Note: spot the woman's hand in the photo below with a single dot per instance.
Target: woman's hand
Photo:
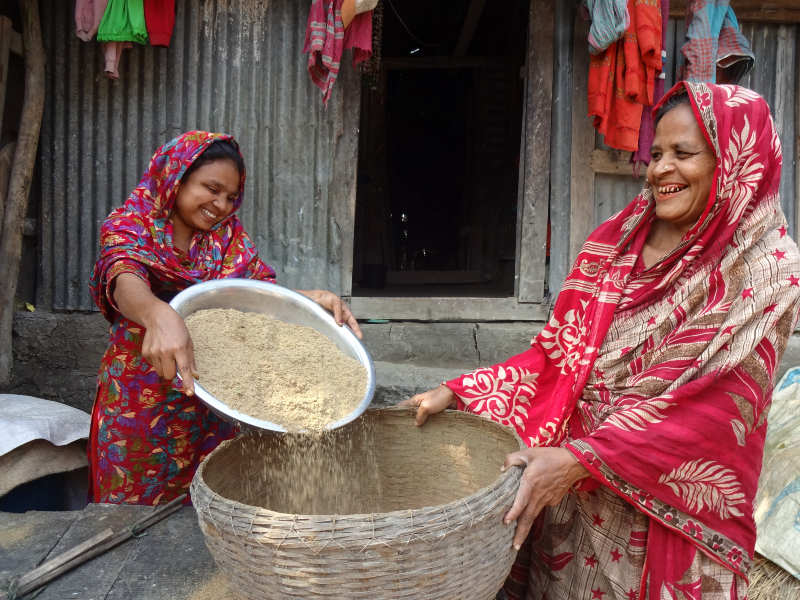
(166, 342)
(431, 402)
(548, 476)
(332, 302)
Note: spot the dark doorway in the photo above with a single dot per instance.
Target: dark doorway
(436, 198)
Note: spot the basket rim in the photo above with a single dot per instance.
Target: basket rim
(199, 484)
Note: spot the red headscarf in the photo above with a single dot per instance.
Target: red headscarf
(660, 383)
(140, 231)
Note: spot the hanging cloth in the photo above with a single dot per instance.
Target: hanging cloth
(621, 79)
(159, 17)
(327, 39)
(112, 51)
(88, 14)
(714, 45)
(123, 21)
(351, 8)
(610, 21)
(646, 127)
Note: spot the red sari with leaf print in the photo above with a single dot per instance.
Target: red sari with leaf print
(147, 437)
(659, 382)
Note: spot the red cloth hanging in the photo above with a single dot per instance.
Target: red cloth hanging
(159, 17)
(621, 79)
(327, 39)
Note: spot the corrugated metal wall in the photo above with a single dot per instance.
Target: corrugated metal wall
(236, 66)
(775, 49)
(233, 66)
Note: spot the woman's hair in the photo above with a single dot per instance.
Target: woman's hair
(673, 101)
(218, 150)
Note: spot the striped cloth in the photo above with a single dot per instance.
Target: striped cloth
(713, 40)
(327, 39)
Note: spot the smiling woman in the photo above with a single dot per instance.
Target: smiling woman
(177, 228)
(644, 399)
(207, 197)
(680, 175)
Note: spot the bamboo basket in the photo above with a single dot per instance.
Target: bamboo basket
(431, 500)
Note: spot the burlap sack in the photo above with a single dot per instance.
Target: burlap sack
(38, 458)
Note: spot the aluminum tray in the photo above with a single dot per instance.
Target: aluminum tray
(282, 304)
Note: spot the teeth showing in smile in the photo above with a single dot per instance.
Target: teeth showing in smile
(208, 213)
(671, 189)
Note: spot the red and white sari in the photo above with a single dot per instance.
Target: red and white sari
(659, 381)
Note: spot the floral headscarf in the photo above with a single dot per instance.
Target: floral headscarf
(139, 233)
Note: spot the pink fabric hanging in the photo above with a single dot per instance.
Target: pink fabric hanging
(88, 14)
(646, 129)
(112, 52)
(327, 39)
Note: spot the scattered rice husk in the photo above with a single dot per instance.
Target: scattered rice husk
(770, 582)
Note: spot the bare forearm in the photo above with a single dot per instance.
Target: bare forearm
(135, 300)
(167, 345)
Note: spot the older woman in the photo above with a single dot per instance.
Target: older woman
(646, 396)
(178, 228)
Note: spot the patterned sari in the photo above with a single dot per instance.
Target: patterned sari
(147, 437)
(659, 382)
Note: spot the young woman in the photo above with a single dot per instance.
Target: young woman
(178, 227)
(649, 389)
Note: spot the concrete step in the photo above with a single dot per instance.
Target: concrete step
(398, 381)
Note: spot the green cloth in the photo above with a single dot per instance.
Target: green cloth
(123, 21)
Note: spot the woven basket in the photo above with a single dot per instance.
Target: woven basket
(432, 528)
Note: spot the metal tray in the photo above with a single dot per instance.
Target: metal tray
(281, 304)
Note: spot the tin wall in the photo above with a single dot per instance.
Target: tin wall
(774, 77)
(233, 66)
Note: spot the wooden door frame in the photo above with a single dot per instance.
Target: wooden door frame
(532, 212)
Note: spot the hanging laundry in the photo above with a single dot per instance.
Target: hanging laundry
(351, 8)
(112, 52)
(123, 21)
(610, 21)
(715, 51)
(621, 79)
(159, 16)
(646, 129)
(327, 39)
(88, 14)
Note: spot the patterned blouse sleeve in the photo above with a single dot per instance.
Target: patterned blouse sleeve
(108, 306)
(258, 269)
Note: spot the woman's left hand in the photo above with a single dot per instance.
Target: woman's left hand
(332, 302)
(548, 476)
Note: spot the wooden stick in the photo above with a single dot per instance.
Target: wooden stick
(65, 557)
(21, 176)
(5, 45)
(27, 583)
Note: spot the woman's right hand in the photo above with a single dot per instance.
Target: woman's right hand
(167, 344)
(431, 402)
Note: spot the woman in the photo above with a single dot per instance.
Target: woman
(178, 228)
(648, 390)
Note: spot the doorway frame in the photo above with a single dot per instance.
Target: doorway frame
(533, 197)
